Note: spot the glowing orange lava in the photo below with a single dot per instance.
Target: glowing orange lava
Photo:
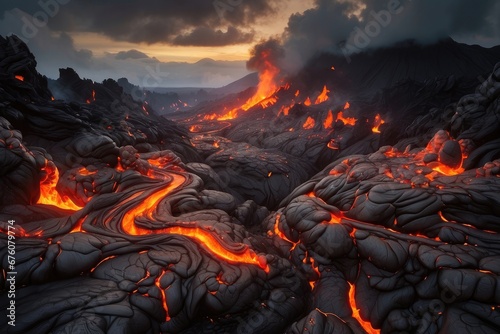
(19, 77)
(377, 122)
(210, 117)
(267, 85)
(307, 102)
(314, 267)
(445, 170)
(268, 102)
(205, 238)
(48, 192)
(323, 96)
(194, 128)
(347, 105)
(281, 234)
(163, 295)
(266, 88)
(309, 123)
(84, 171)
(160, 162)
(284, 110)
(346, 120)
(367, 326)
(327, 124)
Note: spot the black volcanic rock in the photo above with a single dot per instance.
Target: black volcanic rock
(380, 239)
(92, 109)
(17, 60)
(372, 70)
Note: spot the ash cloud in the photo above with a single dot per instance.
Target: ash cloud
(332, 26)
(269, 51)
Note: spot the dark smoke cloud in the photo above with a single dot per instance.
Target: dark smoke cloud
(193, 22)
(265, 53)
(338, 25)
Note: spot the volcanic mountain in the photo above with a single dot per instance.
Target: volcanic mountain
(353, 197)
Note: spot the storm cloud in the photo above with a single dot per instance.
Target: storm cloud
(58, 50)
(206, 36)
(194, 22)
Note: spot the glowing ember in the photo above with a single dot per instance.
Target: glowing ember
(307, 102)
(309, 123)
(284, 110)
(19, 77)
(92, 99)
(377, 122)
(323, 96)
(210, 117)
(84, 171)
(297, 93)
(346, 120)
(48, 192)
(367, 326)
(347, 105)
(195, 128)
(327, 124)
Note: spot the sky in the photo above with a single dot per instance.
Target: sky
(206, 43)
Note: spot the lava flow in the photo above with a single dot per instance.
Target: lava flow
(367, 326)
(309, 123)
(266, 87)
(377, 122)
(323, 97)
(205, 238)
(48, 192)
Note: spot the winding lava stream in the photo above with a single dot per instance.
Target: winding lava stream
(203, 237)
